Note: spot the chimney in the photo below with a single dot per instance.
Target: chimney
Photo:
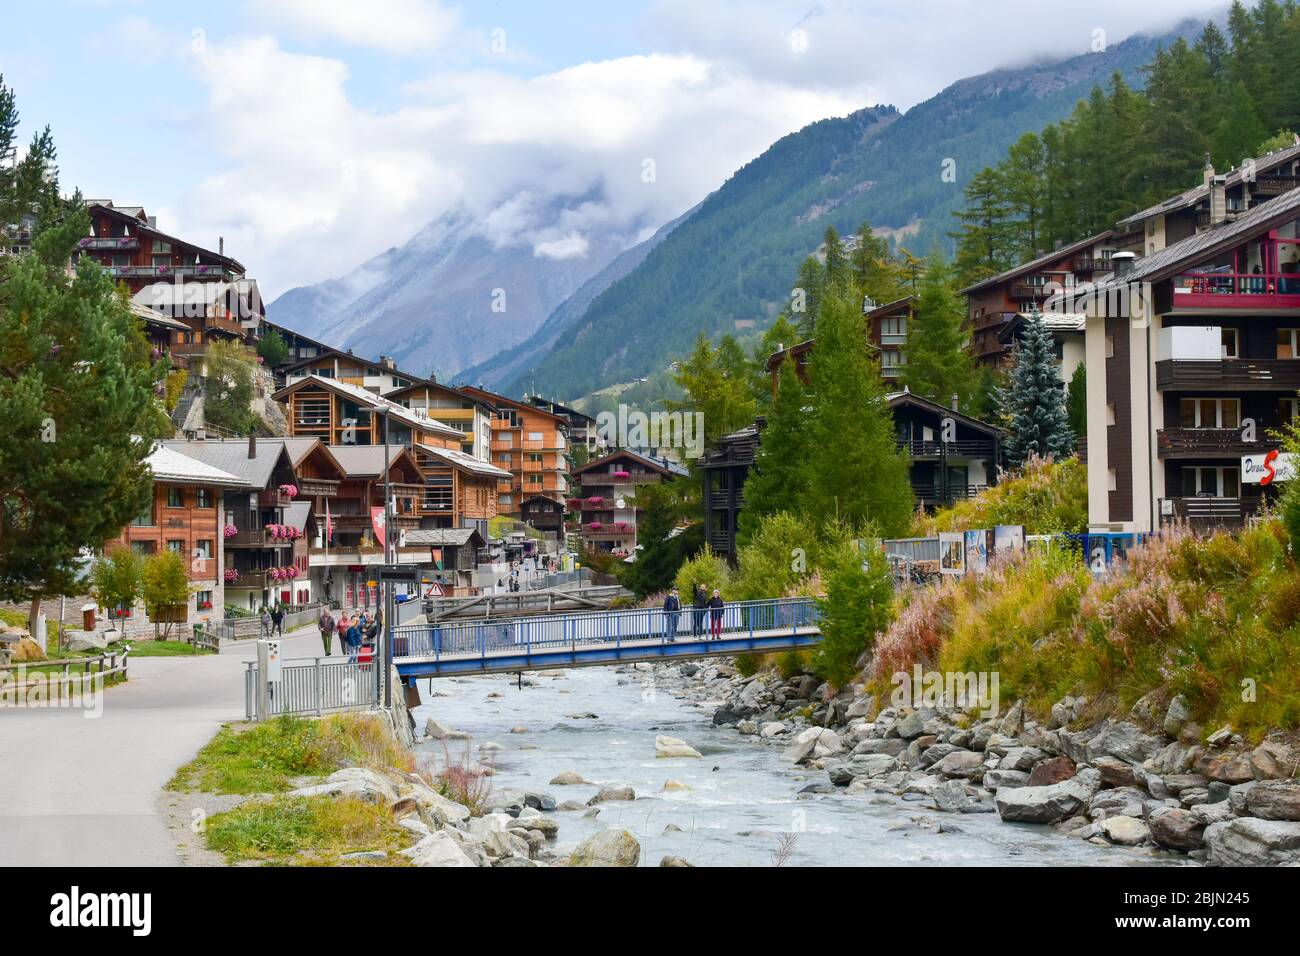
(252, 446)
(1218, 200)
(955, 402)
(1207, 174)
(387, 362)
(221, 245)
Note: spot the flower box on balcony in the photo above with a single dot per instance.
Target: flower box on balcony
(594, 526)
(595, 500)
(622, 475)
(229, 531)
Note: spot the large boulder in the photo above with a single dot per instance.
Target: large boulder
(1126, 831)
(1021, 758)
(610, 848)
(1048, 804)
(432, 802)
(607, 794)
(81, 641)
(1123, 740)
(1055, 770)
(1247, 841)
(1177, 714)
(961, 763)
(438, 849)
(1274, 800)
(1115, 772)
(666, 746)
(1227, 767)
(810, 743)
(1176, 829)
(994, 779)
(354, 782)
(569, 778)
(951, 797)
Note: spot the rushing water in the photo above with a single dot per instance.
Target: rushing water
(742, 798)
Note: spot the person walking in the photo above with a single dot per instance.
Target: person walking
(326, 625)
(716, 608)
(672, 610)
(277, 620)
(266, 624)
(342, 629)
(700, 606)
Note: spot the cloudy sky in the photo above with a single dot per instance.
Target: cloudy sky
(313, 134)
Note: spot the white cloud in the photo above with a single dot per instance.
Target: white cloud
(314, 184)
(572, 246)
(395, 26)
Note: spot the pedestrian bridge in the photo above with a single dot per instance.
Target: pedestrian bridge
(593, 638)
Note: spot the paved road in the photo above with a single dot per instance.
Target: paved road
(82, 792)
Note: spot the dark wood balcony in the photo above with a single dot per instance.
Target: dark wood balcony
(317, 488)
(934, 494)
(1274, 184)
(603, 479)
(921, 450)
(1209, 513)
(1207, 443)
(1229, 375)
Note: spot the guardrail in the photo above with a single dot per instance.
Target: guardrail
(484, 637)
(314, 686)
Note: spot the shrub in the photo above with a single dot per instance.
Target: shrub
(1046, 497)
(857, 606)
(705, 568)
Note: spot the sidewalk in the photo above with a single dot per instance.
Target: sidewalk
(82, 792)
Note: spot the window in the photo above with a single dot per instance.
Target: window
(1110, 413)
(1210, 412)
(175, 498)
(203, 549)
(897, 325)
(1112, 479)
(534, 479)
(142, 547)
(1110, 346)
(144, 520)
(535, 456)
(203, 498)
(1207, 482)
(1229, 343)
(203, 600)
(1288, 409)
(176, 545)
(1287, 343)
(506, 500)
(534, 436)
(162, 248)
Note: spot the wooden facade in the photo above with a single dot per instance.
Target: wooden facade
(531, 444)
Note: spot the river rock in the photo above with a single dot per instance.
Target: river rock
(1052, 771)
(1247, 841)
(773, 728)
(1123, 801)
(1238, 796)
(435, 804)
(747, 727)
(961, 763)
(1176, 829)
(1021, 758)
(1051, 803)
(569, 778)
(609, 848)
(1227, 768)
(438, 731)
(951, 797)
(932, 755)
(354, 782)
(813, 742)
(913, 725)
(519, 729)
(675, 861)
(666, 746)
(993, 779)
(87, 640)
(1220, 737)
(1013, 721)
(1273, 760)
(1176, 715)
(1123, 740)
(437, 849)
(1274, 800)
(1126, 831)
(675, 786)
(894, 746)
(607, 794)
(1115, 772)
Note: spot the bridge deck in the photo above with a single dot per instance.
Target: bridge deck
(601, 638)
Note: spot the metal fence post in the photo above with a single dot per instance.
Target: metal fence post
(316, 677)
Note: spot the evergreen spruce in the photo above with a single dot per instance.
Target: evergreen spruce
(1033, 402)
(779, 480)
(939, 365)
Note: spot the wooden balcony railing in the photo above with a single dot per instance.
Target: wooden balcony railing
(1210, 512)
(1207, 442)
(1230, 375)
(936, 493)
(972, 448)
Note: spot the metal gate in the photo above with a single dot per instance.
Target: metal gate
(313, 686)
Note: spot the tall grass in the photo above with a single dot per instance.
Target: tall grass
(466, 779)
(1216, 619)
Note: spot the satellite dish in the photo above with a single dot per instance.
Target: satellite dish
(620, 503)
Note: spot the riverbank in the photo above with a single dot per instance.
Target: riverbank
(1153, 783)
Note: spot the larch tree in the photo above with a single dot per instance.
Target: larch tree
(939, 366)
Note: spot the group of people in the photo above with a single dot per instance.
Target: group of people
(352, 632)
(702, 603)
(272, 621)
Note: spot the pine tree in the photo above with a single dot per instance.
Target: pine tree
(854, 466)
(778, 481)
(939, 365)
(837, 263)
(982, 248)
(807, 296)
(718, 384)
(1033, 402)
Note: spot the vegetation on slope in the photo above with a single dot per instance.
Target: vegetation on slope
(1046, 497)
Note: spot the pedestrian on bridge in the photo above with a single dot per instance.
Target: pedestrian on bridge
(327, 625)
(699, 608)
(716, 608)
(672, 611)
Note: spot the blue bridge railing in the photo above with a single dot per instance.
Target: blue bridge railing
(572, 631)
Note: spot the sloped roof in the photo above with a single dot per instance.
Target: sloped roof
(465, 462)
(1035, 264)
(296, 514)
(170, 465)
(896, 399)
(135, 216)
(1191, 197)
(231, 456)
(367, 461)
(1206, 243)
(368, 399)
(443, 537)
(665, 466)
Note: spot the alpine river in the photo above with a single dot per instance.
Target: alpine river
(742, 797)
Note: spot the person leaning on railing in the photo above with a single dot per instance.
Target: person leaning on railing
(716, 608)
